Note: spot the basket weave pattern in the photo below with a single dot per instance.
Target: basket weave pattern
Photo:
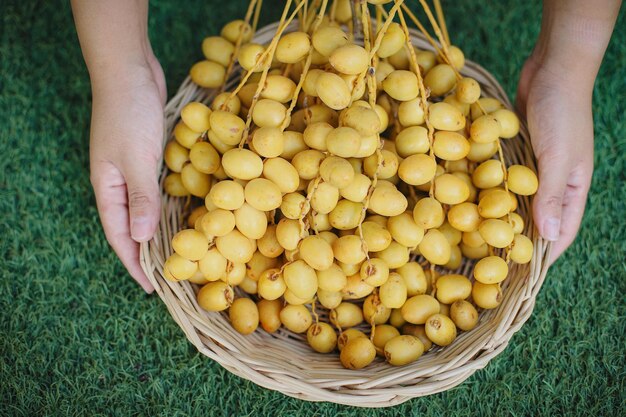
(283, 361)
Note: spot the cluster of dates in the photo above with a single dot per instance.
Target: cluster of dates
(331, 177)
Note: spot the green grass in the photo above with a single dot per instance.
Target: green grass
(78, 337)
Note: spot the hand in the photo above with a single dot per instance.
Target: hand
(561, 130)
(126, 137)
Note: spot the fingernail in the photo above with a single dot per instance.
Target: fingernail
(140, 229)
(148, 290)
(552, 229)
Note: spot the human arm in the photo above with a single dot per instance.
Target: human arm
(128, 90)
(555, 92)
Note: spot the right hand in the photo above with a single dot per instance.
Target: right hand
(125, 147)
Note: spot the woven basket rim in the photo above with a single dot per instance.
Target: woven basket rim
(319, 378)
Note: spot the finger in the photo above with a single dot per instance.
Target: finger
(521, 97)
(548, 202)
(111, 199)
(520, 105)
(143, 197)
(573, 209)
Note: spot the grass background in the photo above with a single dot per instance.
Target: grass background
(78, 337)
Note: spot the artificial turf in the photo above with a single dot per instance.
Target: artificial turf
(78, 337)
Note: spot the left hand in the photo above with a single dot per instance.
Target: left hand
(554, 92)
(561, 130)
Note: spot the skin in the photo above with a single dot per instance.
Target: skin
(554, 92)
(129, 93)
(128, 87)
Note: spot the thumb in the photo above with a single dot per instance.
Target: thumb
(523, 87)
(143, 199)
(548, 202)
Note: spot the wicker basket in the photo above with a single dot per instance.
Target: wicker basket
(265, 358)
